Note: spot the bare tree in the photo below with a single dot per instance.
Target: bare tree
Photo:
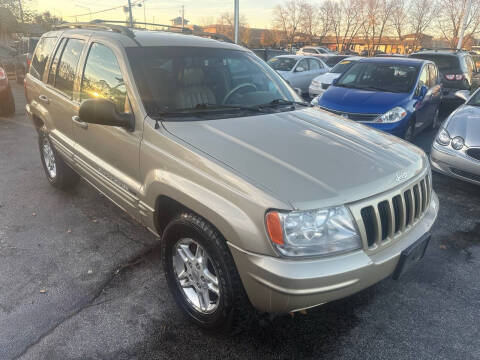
(377, 19)
(419, 19)
(287, 18)
(226, 26)
(315, 22)
(347, 19)
(450, 19)
(400, 11)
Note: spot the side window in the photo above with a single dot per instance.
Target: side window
(433, 75)
(315, 64)
(67, 66)
(424, 77)
(42, 54)
(102, 78)
(303, 64)
(309, 51)
(54, 64)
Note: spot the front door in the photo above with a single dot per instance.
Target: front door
(108, 156)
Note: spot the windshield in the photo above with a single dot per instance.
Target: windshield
(374, 76)
(173, 79)
(445, 63)
(282, 63)
(342, 66)
(331, 61)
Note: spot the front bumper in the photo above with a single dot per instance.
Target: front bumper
(315, 91)
(455, 163)
(279, 285)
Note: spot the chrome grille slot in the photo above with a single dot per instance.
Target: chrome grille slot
(386, 217)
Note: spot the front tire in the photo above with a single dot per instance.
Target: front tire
(410, 132)
(202, 276)
(58, 173)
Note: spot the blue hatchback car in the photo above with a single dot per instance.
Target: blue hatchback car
(400, 96)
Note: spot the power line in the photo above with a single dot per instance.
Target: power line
(105, 10)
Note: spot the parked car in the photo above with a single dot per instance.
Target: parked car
(267, 54)
(7, 102)
(260, 200)
(297, 70)
(321, 83)
(26, 47)
(315, 51)
(333, 60)
(457, 71)
(456, 149)
(398, 95)
(7, 57)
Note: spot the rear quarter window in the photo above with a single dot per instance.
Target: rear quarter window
(42, 54)
(445, 63)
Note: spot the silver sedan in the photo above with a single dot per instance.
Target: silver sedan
(298, 70)
(456, 148)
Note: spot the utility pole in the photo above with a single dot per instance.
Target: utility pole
(466, 14)
(144, 14)
(130, 13)
(237, 19)
(183, 17)
(21, 9)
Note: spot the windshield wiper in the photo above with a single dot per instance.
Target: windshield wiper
(219, 107)
(280, 102)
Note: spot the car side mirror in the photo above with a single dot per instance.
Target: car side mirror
(102, 112)
(298, 91)
(334, 82)
(299, 69)
(463, 94)
(423, 92)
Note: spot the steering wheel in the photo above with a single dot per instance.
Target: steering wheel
(235, 89)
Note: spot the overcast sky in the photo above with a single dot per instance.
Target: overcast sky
(257, 12)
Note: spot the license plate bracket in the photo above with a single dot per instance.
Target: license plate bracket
(411, 255)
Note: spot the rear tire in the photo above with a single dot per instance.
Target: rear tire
(227, 311)
(58, 173)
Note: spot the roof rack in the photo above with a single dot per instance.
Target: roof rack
(97, 25)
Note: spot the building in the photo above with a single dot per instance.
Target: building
(178, 21)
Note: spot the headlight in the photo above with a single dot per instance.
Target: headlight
(315, 83)
(313, 232)
(458, 143)
(316, 99)
(443, 137)
(394, 115)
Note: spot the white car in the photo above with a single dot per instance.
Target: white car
(315, 51)
(321, 83)
(297, 70)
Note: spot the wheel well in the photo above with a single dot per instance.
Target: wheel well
(167, 209)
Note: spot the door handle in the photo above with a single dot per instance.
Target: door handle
(76, 120)
(45, 99)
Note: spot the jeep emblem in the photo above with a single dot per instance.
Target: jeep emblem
(401, 175)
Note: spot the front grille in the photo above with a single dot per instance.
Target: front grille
(353, 116)
(325, 86)
(465, 174)
(383, 219)
(473, 153)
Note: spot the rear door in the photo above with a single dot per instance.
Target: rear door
(108, 156)
(57, 95)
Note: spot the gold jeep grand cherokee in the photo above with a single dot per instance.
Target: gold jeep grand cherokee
(259, 199)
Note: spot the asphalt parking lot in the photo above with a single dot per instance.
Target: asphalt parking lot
(80, 280)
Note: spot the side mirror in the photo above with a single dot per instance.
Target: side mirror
(463, 94)
(103, 112)
(334, 82)
(299, 69)
(298, 91)
(423, 92)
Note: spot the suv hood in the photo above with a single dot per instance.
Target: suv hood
(361, 101)
(465, 122)
(308, 157)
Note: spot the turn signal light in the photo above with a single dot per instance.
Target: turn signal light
(274, 227)
(3, 75)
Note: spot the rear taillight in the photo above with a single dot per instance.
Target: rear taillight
(457, 77)
(29, 61)
(3, 74)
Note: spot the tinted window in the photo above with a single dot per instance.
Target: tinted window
(42, 53)
(282, 63)
(342, 66)
(373, 76)
(53, 66)
(102, 77)
(303, 64)
(68, 65)
(445, 63)
(309, 51)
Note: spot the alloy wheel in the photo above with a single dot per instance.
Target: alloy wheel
(49, 158)
(196, 276)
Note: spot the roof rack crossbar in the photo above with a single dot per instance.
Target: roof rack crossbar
(97, 25)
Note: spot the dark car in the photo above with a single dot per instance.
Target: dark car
(26, 49)
(7, 103)
(331, 61)
(457, 70)
(7, 57)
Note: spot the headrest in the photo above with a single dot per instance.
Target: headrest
(192, 77)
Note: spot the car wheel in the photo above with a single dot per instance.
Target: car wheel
(410, 132)
(8, 106)
(436, 119)
(59, 174)
(202, 276)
